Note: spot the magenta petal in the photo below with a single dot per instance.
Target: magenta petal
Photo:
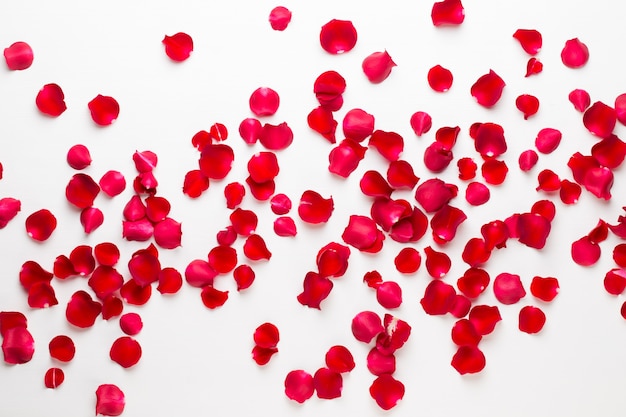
(377, 66)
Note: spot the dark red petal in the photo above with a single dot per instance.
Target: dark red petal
(619, 254)
(131, 323)
(41, 295)
(533, 230)
(263, 166)
(332, 260)
(545, 208)
(218, 132)
(389, 144)
(531, 319)
(170, 281)
(9, 207)
(82, 310)
(447, 136)
(575, 54)
(19, 56)
(244, 277)
(62, 348)
(487, 90)
(135, 209)
(339, 359)
(234, 193)
(104, 110)
(408, 260)
(495, 234)
(361, 233)
(447, 12)
(82, 259)
(437, 263)
(389, 294)
(600, 119)
(255, 249)
(315, 209)
(144, 267)
(32, 273)
(468, 359)
(439, 298)
(276, 137)
(112, 306)
(145, 161)
(51, 100)
(315, 290)
(609, 152)
(321, 120)
(527, 160)
(105, 280)
(264, 101)
(377, 66)
(213, 298)
(78, 157)
(440, 78)
(620, 108)
(199, 273)
(261, 191)
(299, 386)
(243, 221)
(81, 191)
(585, 252)
(178, 47)
(263, 355)
(280, 204)
(387, 391)
(40, 225)
(534, 66)
(373, 184)
(527, 104)
(467, 168)
(437, 157)
(464, 333)
(508, 288)
(266, 335)
(18, 345)
(112, 183)
(328, 88)
(157, 208)
(476, 252)
(421, 122)
(338, 36)
(484, 318)
(400, 174)
(445, 223)
(279, 18)
(357, 125)
(569, 192)
(250, 130)
(366, 325)
(530, 40)
(11, 319)
(545, 289)
(110, 400)
(490, 141)
(433, 194)
(373, 279)
(53, 378)
(226, 237)
(285, 227)
(599, 233)
(615, 281)
(125, 351)
(223, 259)
(548, 181)
(216, 160)
(328, 383)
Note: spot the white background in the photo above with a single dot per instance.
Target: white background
(197, 361)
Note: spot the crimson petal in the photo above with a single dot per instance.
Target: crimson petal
(51, 100)
(178, 47)
(338, 36)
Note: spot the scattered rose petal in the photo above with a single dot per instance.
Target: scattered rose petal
(9, 207)
(244, 277)
(261, 191)
(377, 66)
(40, 225)
(527, 160)
(531, 319)
(276, 137)
(437, 157)
(445, 222)
(440, 78)
(527, 104)
(357, 125)
(529, 39)
(299, 386)
(82, 259)
(199, 273)
(421, 122)
(223, 259)
(575, 54)
(91, 218)
(32, 273)
(484, 318)
(447, 12)
(280, 204)
(243, 221)
(315, 290)
(408, 260)
(250, 130)
(468, 359)
(580, 99)
(380, 364)
(81, 191)
(53, 378)
(389, 144)
(600, 119)
(216, 161)
(338, 36)
(110, 400)
(400, 174)
(82, 310)
(508, 288)
(315, 209)
(387, 391)
(389, 294)
(279, 18)
(131, 323)
(533, 230)
(112, 183)
(140, 230)
(477, 193)
(112, 306)
(104, 110)
(345, 158)
(234, 193)
(476, 252)
(178, 47)
(473, 282)
(78, 157)
(266, 335)
(170, 281)
(51, 100)
(437, 263)
(332, 260)
(534, 66)
(487, 90)
(62, 348)
(439, 298)
(569, 192)
(285, 227)
(366, 325)
(264, 101)
(327, 383)
(105, 281)
(328, 89)
(339, 359)
(255, 249)
(433, 194)
(548, 181)
(548, 140)
(263, 166)
(263, 355)
(18, 345)
(321, 120)
(18, 56)
(609, 152)
(464, 333)
(615, 281)
(489, 140)
(585, 252)
(620, 108)
(226, 237)
(545, 289)
(213, 298)
(363, 234)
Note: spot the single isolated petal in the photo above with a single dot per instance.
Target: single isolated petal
(250, 130)
(218, 132)
(280, 204)
(534, 66)
(321, 120)
(527, 104)
(580, 99)
(545, 289)
(315, 209)
(585, 252)
(487, 90)
(366, 325)
(328, 88)
(104, 110)
(600, 119)
(620, 108)
(40, 225)
(53, 378)
(62, 348)
(477, 193)
(18, 345)
(575, 54)
(19, 56)
(332, 260)
(531, 319)
(178, 47)
(315, 290)
(82, 310)
(216, 160)
(285, 227)
(299, 386)
(408, 260)
(223, 259)
(125, 351)
(112, 306)
(339, 359)
(81, 191)
(254, 248)
(51, 100)
(484, 318)
(400, 174)
(468, 360)
(279, 18)
(91, 218)
(527, 160)
(529, 39)
(389, 144)
(377, 66)
(213, 298)
(327, 383)
(508, 288)
(440, 78)
(439, 298)
(170, 281)
(262, 355)
(389, 294)
(199, 273)
(110, 400)
(357, 125)
(387, 391)
(9, 207)
(244, 276)
(78, 157)
(276, 137)
(112, 183)
(266, 335)
(338, 36)
(447, 12)
(421, 123)
(437, 263)
(264, 101)
(547, 140)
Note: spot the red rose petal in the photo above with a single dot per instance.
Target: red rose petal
(112, 183)
(467, 169)
(548, 140)
(157, 208)
(243, 221)
(476, 252)
(62, 348)
(527, 104)
(389, 144)
(216, 160)
(104, 110)
(339, 359)
(327, 383)
(487, 90)
(377, 66)
(135, 294)
(145, 161)
(445, 222)
(41, 295)
(315, 290)
(82, 259)
(345, 158)
(373, 184)
(389, 295)
(170, 281)
(53, 378)
(619, 254)
(529, 39)
(362, 233)
(620, 108)
(473, 282)
(217, 132)
(328, 88)
(299, 386)
(223, 259)
(609, 152)
(140, 230)
(533, 230)
(18, 56)
(51, 100)
(477, 193)
(548, 181)
(264, 101)
(178, 47)
(280, 204)
(379, 364)
(366, 325)
(433, 194)
(234, 193)
(400, 174)
(279, 18)
(439, 298)
(569, 192)
(276, 137)
(600, 119)
(263, 355)
(437, 157)
(531, 319)
(82, 310)
(11, 319)
(387, 391)
(112, 306)
(9, 207)
(226, 237)
(261, 191)
(585, 252)
(266, 335)
(615, 281)
(408, 261)
(575, 54)
(461, 307)
(244, 277)
(464, 333)
(78, 157)
(131, 323)
(315, 209)
(168, 233)
(545, 289)
(534, 66)
(440, 78)
(110, 400)
(144, 267)
(40, 225)
(213, 298)
(285, 227)
(484, 318)
(527, 160)
(508, 288)
(580, 99)
(357, 125)
(421, 122)
(32, 273)
(338, 36)
(447, 12)
(81, 191)
(199, 273)
(490, 141)
(255, 249)
(18, 345)
(437, 263)
(321, 120)
(263, 166)
(250, 130)
(332, 260)
(468, 360)
(105, 280)
(91, 218)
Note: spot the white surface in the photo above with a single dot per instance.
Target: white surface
(197, 361)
